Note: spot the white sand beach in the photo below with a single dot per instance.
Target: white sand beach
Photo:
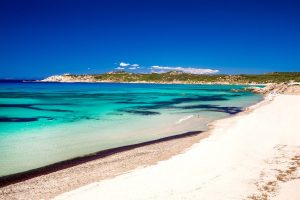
(254, 155)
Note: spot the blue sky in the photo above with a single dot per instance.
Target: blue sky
(45, 37)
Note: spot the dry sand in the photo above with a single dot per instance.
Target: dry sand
(250, 156)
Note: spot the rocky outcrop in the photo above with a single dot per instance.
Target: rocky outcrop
(69, 78)
(281, 88)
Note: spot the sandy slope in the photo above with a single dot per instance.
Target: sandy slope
(250, 156)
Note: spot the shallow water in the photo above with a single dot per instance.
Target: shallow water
(43, 123)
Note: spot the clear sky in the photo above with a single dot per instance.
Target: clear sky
(45, 37)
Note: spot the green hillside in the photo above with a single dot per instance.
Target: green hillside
(173, 77)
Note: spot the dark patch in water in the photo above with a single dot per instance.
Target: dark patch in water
(18, 119)
(32, 106)
(90, 118)
(235, 95)
(75, 118)
(140, 112)
(200, 98)
(132, 102)
(173, 102)
(115, 113)
(22, 119)
(226, 109)
(147, 107)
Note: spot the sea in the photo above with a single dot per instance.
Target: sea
(45, 123)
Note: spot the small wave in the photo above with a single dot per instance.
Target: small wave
(184, 118)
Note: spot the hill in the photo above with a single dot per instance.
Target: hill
(174, 77)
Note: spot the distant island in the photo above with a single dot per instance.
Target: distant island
(176, 77)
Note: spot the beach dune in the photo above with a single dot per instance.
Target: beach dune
(254, 155)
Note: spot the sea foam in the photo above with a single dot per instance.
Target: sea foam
(184, 119)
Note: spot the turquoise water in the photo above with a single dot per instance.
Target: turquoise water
(43, 123)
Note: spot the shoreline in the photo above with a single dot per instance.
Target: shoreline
(178, 143)
(48, 184)
(73, 162)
